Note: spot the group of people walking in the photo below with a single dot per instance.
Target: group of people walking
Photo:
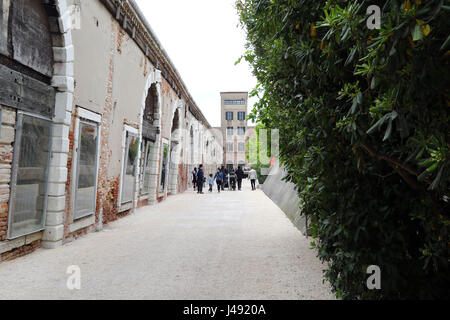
(223, 177)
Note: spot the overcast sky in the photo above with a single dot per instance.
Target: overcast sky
(203, 40)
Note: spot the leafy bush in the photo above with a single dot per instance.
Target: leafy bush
(364, 133)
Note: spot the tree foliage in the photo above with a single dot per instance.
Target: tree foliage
(364, 133)
(259, 152)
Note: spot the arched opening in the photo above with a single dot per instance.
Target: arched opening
(191, 147)
(191, 154)
(175, 149)
(149, 125)
(150, 145)
(200, 144)
(176, 124)
(151, 103)
(28, 98)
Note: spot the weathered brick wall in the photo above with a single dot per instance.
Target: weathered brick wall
(6, 157)
(21, 251)
(69, 177)
(108, 188)
(183, 175)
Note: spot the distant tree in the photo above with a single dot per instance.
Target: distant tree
(258, 148)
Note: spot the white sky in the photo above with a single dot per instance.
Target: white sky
(203, 40)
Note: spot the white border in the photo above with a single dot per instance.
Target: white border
(83, 114)
(89, 115)
(134, 132)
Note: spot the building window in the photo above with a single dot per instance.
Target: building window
(129, 170)
(235, 102)
(146, 168)
(230, 131)
(241, 131)
(241, 115)
(29, 180)
(241, 147)
(165, 160)
(229, 115)
(86, 176)
(230, 147)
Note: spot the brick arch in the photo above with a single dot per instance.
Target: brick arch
(151, 104)
(175, 145)
(191, 142)
(153, 83)
(191, 145)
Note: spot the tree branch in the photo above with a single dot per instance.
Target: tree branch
(398, 166)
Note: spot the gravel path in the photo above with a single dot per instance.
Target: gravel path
(236, 245)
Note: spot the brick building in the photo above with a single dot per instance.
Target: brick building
(95, 120)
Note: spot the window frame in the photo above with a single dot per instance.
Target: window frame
(240, 113)
(128, 131)
(241, 131)
(165, 144)
(86, 121)
(227, 113)
(14, 171)
(234, 102)
(146, 147)
(228, 144)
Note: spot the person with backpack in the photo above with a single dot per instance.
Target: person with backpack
(211, 182)
(219, 179)
(232, 180)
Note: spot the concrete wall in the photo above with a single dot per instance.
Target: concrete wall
(285, 196)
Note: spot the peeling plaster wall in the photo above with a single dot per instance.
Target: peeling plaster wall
(93, 44)
(111, 73)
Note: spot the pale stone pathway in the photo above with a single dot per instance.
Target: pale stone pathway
(236, 245)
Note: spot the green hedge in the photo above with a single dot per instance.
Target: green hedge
(364, 133)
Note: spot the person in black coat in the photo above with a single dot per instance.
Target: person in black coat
(224, 175)
(239, 177)
(194, 178)
(200, 179)
(232, 180)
